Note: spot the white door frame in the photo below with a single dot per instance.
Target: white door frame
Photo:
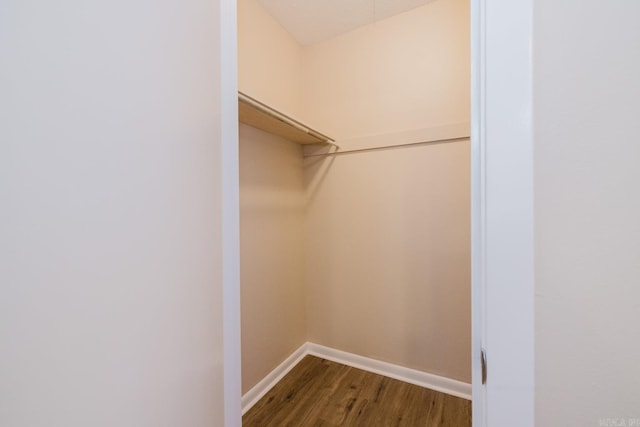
(502, 212)
(230, 233)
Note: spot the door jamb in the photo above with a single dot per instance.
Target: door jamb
(502, 212)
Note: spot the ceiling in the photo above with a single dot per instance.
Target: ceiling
(312, 21)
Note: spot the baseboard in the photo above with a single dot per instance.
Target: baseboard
(411, 376)
(251, 397)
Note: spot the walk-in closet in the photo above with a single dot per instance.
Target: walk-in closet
(355, 204)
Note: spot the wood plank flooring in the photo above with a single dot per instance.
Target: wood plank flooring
(320, 393)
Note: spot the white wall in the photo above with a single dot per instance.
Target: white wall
(272, 214)
(388, 237)
(587, 212)
(110, 255)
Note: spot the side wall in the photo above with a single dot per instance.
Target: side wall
(271, 199)
(587, 103)
(272, 243)
(110, 248)
(269, 60)
(388, 234)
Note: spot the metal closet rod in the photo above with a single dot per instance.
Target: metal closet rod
(386, 147)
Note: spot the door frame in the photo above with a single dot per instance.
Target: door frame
(502, 195)
(502, 212)
(229, 164)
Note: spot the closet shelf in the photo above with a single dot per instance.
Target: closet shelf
(254, 113)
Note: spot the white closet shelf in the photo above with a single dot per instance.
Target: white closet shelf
(254, 113)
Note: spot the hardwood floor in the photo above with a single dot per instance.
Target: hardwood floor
(320, 393)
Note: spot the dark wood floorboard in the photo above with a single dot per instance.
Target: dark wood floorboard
(320, 393)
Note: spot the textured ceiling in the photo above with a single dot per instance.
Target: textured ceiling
(311, 21)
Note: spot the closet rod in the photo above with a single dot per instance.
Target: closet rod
(386, 147)
(283, 118)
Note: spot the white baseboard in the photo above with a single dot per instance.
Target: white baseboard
(251, 397)
(411, 376)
